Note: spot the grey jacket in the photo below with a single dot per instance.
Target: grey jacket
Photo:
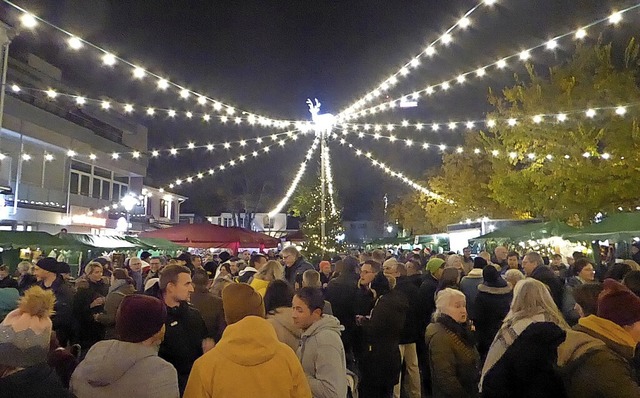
(286, 330)
(322, 356)
(115, 368)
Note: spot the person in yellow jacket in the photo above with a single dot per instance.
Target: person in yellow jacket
(248, 361)
(269, 272)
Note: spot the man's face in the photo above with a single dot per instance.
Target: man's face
(234, 267)
(4, 274)
(135, 264)
(261, 262)
(325, 268)
(197, 261)
(528, 266)
(501, 253)
(366, 274)
(288, 259)
(466, 252)
(95, 275)
(182, 289)
(556, 261)
(246, 256)
(411, 268)
(154, 264)
(512, 262)
(391, 270)
(302, 316)
(39, 273)
(588, 273)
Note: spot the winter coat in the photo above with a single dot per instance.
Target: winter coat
(286, 330)
(39, 381)
(454, 361)
(411, 331)
(249, 361)
(115, 368)
(298, 268)
(381, 363)
(469, 286)
(210, 308)
(111, 304)
(182, 343)
(219, 284)
(8, 282)
(62, 318)
(528, 366)
(492, 305)
(568, 302)
(427, 293)
(595, 360)
(89, 330)
(341, 293)
(545, 275)
(25, 281)
(8, 301)
(323, 359)
(259, 286)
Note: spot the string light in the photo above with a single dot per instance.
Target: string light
(329, 179)
(30, 21)
(400, 176)
(296, 179)
(74, 43)
(525, 54)
(445, 39)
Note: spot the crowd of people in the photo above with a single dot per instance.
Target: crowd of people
(368, 324)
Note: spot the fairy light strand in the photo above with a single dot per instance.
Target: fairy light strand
(296, 179)
(329, 179)
(502, 63)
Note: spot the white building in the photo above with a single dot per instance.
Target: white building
(275, 226)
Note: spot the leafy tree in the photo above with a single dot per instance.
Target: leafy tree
(560, 182)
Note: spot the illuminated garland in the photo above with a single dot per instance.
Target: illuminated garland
(523, 55)
(296, 179)
(444, 40)
(30, 21)
(329, 178)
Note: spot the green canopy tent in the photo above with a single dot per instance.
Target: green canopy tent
(615, 227)
(106, 242)
(155, 243)
(34, 240)
(526, 232)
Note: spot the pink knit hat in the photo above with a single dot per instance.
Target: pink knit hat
(25, 332)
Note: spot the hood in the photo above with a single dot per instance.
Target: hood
(575, 345)
(283, 317)
(494, 290)
(247, 269)
(327, 322)
(249, 342)
(614, 336)
(474, 273)
(107, 361)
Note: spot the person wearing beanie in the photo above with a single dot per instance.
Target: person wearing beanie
(129, 366)
(25, 334)
(325, 273)
(46, 273)
(469, 285)
(186, 337)
(597, 362)
(491, 305)
(249, 347)
(380, 362)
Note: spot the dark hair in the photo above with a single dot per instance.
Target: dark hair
(144, 255)
(632, 281)
(586, 296)
(4, 268)
(513, 254)
(122, 273)
(278, 294)
(577, 255)
(170, 273)
(200, 278)
(450, 278)
(350, 264)
(312, 297)
(226, 266)
(617, 271)
(255, 258)
(375, 266)
(579, 265)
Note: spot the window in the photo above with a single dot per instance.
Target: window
(267, 222)
(96, 182)
(84, 185)
(75, 183)
(166, 209)
(116, 192)
(96, 188)
(106, 190)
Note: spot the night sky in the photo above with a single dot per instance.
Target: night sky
(268, 56)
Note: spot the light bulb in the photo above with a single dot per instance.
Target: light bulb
(581, 33)
(552, 45)
(28, 21)
(74, 43)
(109, 59)
(138, 72)
(163, 84)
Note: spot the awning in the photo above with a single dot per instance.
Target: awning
(34, 240)
(615, 227)
(525, 232)
(154, 243)
(109, 242)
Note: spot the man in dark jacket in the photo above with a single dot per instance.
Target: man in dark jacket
(295, 265)
(534, 267)
(411, 332)
(89, 300)
(186, 333)
(46, 272)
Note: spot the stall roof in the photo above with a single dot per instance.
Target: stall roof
(155, 243)
(101, 241)
(531, 231)
(616, 227)
(34, 239)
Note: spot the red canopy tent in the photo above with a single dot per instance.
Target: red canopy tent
(206, 236)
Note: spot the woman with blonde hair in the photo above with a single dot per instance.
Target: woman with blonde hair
(522, 358)
(270, 272)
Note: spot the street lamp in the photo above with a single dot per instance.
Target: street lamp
(128, 202)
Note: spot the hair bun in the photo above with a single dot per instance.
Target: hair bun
(37, 302)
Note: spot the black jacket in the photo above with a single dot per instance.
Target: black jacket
(39, 381)
(62, 319)
(182, 345)
(381, 363)
(89, 330)
(298, 268)
(492, 305)
(528, 369)
(427, 298)
(545, 275)
(8, 282)
(25, 282)
(341, 293)
(411, 331)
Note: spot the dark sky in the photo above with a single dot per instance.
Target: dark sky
(268, 56)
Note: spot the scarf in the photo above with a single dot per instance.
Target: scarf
(507, 334)
(461, 331)
(608, 329)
